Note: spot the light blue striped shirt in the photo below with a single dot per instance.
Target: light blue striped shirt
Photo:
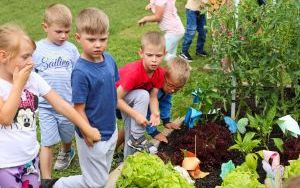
(55, 64)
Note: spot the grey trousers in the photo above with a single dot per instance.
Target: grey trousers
(95, 163)
(139, 100)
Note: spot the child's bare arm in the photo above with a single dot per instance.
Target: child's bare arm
(123, 106)
(154, 107)
(64, 108)
(156, 17)
(8, 108)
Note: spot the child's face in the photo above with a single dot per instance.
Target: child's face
(22, 58)
(56, 34)
(170, 85)
(93, 45)
(152, 57)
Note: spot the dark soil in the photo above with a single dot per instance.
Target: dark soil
(212, 142)
(291, 150)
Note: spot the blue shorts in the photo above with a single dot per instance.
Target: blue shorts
(54, 127)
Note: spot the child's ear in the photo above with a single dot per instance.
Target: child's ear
(141, 52)
(45, 27)
(77, 37)
(3, 55)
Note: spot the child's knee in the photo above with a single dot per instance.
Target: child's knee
(143, 95)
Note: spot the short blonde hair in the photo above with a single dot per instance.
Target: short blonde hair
(92, 21)
(10, 37)
(58, 14)
(178, 69)
(154, 38)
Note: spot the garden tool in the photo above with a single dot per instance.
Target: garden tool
(274, 170)
(231, 124)
(191, 116)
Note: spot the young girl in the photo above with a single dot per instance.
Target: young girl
(165, 13)
(19, 92)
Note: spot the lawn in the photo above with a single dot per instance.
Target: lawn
(124, 39)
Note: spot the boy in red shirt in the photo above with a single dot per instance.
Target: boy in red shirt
(137, 89)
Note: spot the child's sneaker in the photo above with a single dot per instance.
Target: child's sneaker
(142, 144)
(48, 183)
(63, 160)
(186, 56)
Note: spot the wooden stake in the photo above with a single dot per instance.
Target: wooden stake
(195, 145)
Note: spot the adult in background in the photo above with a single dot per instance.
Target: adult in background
(195, 21)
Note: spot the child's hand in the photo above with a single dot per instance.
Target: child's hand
(21, 75)
(142, 22)
(141, 120)
(155, 119)
(161, 137)
(172, 125)
(92, 135)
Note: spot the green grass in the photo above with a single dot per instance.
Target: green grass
(124, 39)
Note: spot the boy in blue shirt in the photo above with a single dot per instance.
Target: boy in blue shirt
(54, 60)
(95, 98)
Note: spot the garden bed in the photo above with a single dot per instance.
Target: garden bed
(212, 141)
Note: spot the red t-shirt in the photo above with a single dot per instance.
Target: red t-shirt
(133, 76)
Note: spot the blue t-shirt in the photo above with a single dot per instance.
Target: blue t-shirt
(94, 85)
(55, 64)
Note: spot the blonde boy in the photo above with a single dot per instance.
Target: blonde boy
(95, 98)
(137, 89)
(177, 73)
(54, 60)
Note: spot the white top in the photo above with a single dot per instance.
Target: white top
(195, 5)
(170, 22)
(18, 141)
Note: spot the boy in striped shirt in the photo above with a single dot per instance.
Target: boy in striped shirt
(54, 60)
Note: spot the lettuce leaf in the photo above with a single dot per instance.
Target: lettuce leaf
(144, 170)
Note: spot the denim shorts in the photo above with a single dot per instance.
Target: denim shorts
(54, 127)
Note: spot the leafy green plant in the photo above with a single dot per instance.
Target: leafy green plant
(263, 125)
(146, 170)
(246, 144)
(244, 175)
(263, 45)
(293, 169)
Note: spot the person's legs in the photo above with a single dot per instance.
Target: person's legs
(139, 101)
(201, 22)
(21, 176)
(94, 164)
(191, 27)
(32, 177)
(10, 177)
(171, 45)
(66, 154)
(49, 137)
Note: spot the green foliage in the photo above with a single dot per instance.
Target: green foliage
(244, 175)
(207, 98)
(263, 124)
(293, 169)
(145, 171)
(246, 144)
(263, 45)
(278, 143)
